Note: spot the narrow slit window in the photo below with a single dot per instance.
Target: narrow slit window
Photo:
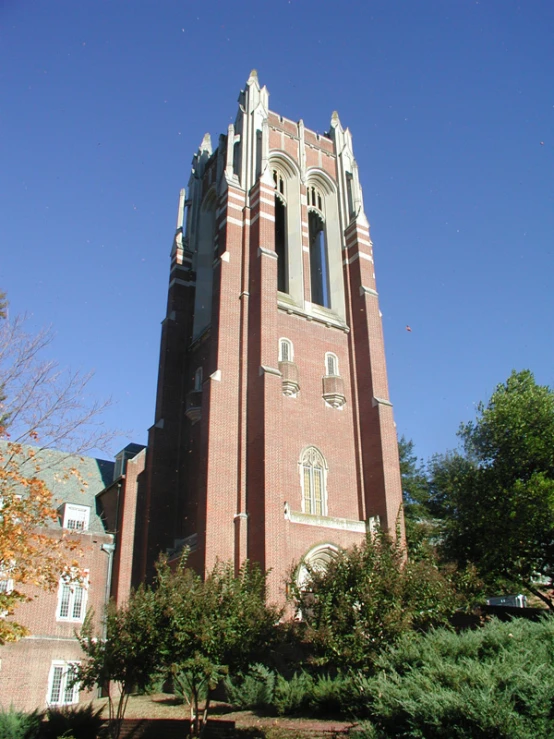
(331, 364)
(285, 350)
(350, 195)
(281, 244)
(198, 380)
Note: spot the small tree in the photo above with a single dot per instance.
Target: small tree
(212, 626)
(126, 656)
(366, 598)
(497, 497)
(43, 406)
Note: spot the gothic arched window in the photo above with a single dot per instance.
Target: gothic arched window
(314, 493)
(281, 232)
(319, 261)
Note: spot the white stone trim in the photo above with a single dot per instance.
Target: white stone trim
(380, 401)
(264, 369)
(368, 291)
(185, 283)
(267, 253)
(326, 522)
(358, 255)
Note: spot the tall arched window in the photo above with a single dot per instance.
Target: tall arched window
(285, 350)
(319, 262)
(281, 232)
(314, 472)
(331, 364)
(326, 243)
(203, 264)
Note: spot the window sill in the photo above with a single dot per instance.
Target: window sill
(327, 522)
(311, 313)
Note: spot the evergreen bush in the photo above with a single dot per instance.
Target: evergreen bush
(293, 696)
(254, 689)
(497, 681)
(81, 722)
(19, 725)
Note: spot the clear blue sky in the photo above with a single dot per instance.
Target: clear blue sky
(105, 101)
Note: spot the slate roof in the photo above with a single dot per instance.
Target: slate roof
(80, 487)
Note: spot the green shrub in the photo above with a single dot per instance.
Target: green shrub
(293, 696)
(255, 689)
(19, 725)
(494, 682)
(82, 722)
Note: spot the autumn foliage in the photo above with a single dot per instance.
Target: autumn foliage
(41, 407)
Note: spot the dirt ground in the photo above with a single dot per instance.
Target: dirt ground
(164, 706)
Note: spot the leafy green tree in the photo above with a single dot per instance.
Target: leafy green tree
(419, 523)
(366, 598)
(497, 497)
(125, 657)
(212, 627)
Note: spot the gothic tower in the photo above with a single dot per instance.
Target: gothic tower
(274, 437)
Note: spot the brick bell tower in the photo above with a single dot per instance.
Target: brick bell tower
(274, 437)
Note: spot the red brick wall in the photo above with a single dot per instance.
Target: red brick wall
(243, 456)
(25, 665)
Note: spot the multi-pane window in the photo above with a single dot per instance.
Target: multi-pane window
(6, 585)
(76, 517)
(285, 350)
(62, 688)
(313, 483)
(72, 600)
(331, 364)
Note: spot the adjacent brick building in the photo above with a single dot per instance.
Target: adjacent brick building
(274, 437)
(97, 512)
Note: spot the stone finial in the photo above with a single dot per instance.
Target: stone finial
(253, 76)
(335, 120)
(206, 144)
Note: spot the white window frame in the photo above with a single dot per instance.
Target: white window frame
(288, 343)
(310, 460)
(6, 585)
(77, 514)
(68, 593)
(331, 358)
(66, 696)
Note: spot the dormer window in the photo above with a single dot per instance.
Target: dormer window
(75, 517)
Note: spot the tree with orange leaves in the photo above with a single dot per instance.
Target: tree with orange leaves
(41, 407)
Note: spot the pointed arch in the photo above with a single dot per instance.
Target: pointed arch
(286, 179)
(326, 271)
(203, 263)
(313, 479)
